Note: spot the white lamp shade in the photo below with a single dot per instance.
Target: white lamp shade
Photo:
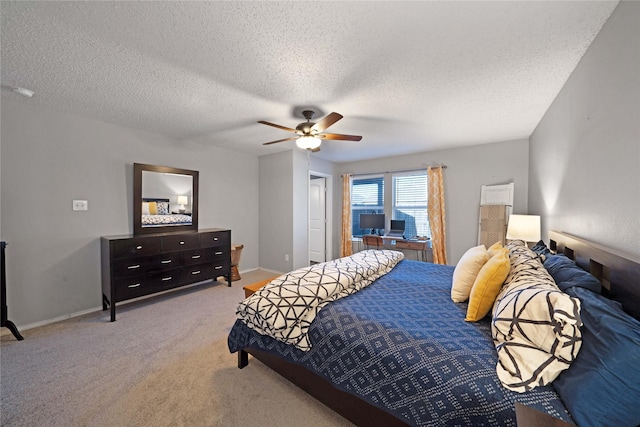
(183, 200)
(308, 142)
(524, 227)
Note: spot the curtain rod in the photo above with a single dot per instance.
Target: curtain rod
(398, 171)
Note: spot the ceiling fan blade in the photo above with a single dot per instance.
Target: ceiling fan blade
(315, 150)
(277, 126)
(339, 136)
(326, 121)
(280, 140)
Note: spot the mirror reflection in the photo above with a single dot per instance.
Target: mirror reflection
(166, 199)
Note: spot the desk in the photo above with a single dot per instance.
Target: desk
(422, 247)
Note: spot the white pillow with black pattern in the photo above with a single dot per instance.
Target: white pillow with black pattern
(535, 326)
(163, 208)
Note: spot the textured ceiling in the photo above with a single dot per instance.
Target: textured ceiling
(407, 76)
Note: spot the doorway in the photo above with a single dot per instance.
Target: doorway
(319, 218)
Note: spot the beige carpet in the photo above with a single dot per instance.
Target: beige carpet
(164, 362)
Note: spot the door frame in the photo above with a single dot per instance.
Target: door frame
(328, 208)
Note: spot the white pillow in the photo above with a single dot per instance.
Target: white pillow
(145, 208)
(535, 326)
(466, 271)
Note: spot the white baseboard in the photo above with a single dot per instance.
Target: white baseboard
(21, 328)
(269, 270)
(49, 321)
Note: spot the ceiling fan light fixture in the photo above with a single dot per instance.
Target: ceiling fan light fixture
(308, 142)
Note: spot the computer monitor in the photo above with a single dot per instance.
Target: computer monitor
(372, 221)
(397, 225)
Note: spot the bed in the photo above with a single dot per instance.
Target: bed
(399, 352)
(157, 213)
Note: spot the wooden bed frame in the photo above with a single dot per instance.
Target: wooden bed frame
(618, 272)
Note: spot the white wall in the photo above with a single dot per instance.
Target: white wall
(585, 153)
(49, 159)
(467, 169)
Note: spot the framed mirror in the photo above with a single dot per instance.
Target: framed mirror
(165, 199)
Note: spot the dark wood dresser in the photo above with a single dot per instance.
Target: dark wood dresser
(134, 266)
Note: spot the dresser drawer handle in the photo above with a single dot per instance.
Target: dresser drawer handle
(215, 239)
(134, 285)
(195, 272)
(138, 247)
(164, 279)
(218, 267)
(133, 267)
(195, 256)
(166, 261)
(218, 253)
(181, 242)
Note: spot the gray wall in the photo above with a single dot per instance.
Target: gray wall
(49, 159)
(284, 210)
(585, 153)
(276, 211)
(467, 169)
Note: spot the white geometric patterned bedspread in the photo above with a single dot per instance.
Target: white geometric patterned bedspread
(151, 220)
(285, 308)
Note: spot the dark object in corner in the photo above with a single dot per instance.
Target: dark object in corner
(6, 323)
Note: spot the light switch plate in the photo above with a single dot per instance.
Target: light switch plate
(80, 205)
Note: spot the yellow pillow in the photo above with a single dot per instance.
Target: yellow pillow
(153, 208)
(466, 271)
(494, 248)
(487, 286)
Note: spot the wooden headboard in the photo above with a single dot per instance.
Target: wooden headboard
(151, 199)
(618, 272)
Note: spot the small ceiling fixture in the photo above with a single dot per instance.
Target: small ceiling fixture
(23, 91)
(308, 142)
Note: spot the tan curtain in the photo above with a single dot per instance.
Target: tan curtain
(437, 215)
(346, 247)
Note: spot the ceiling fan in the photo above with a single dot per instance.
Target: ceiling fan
(310, 134)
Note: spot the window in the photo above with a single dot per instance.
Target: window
(367, 196)
(410, 203)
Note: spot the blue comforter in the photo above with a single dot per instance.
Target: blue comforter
(402, 345)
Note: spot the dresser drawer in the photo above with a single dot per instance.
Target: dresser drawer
(137, 246)
(180, 242)
(197, 273)
(126, 267)
(221, 268)
(127, 288)
(220, 254)
(215, 238)
(197, 256)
